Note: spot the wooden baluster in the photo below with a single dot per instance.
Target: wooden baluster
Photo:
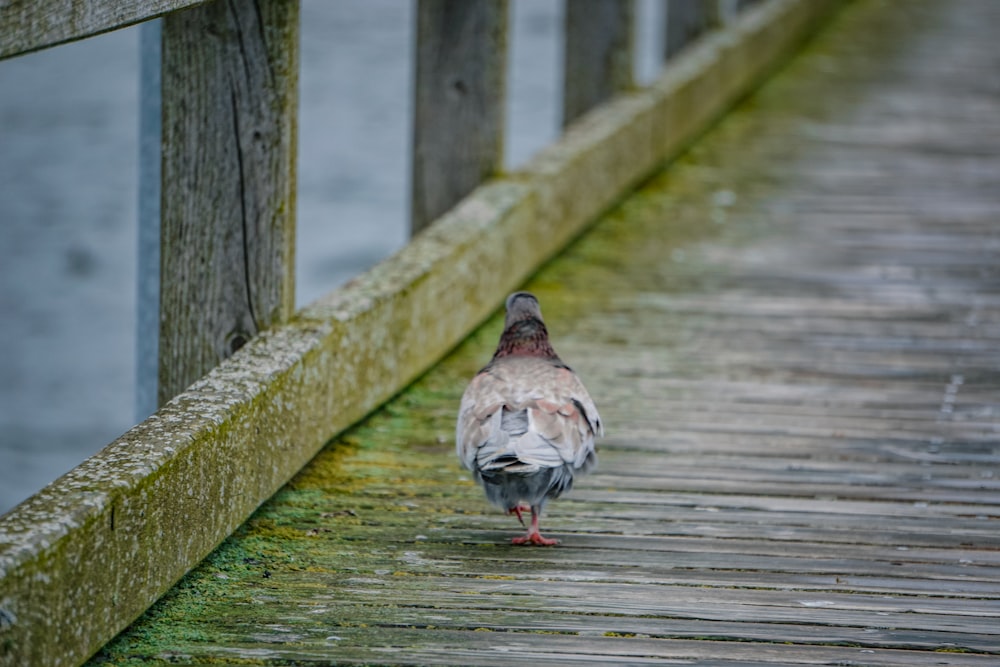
(600, 40)
(726, 11)
(686, 20)
(230, 93)
(461, 58)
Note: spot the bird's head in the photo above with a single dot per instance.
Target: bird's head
(522, 306)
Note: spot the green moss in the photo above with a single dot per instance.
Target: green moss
(356, 511)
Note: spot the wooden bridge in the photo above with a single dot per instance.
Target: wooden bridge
(792, 330)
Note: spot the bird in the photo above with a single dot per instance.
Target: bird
(526, 424)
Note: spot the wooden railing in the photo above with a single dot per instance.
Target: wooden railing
(229, 104)
(86, 555)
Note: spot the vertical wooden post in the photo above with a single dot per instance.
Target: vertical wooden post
(230, 95)
(600, 40)
(726, 11)
(686, 20)
(461, 58)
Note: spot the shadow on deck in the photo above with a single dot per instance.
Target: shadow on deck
(793, 334)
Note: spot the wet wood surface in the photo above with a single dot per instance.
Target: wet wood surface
(793, 335)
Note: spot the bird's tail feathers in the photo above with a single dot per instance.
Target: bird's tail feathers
(527, 453)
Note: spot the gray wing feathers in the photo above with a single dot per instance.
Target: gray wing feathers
(524, 416)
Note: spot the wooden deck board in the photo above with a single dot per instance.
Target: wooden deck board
(793, 334)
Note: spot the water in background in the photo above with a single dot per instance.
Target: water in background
(68, 190)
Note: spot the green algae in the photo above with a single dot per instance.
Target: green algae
(360, 480)
(391, 485)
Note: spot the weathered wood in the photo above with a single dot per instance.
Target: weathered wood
(230, 100)
(461, 60)
(686, 21)
(599, 50)
(613, 644)
(86, 554)
(726, 11)
(37, 24)
(582, 626)
(781, 482)
(725, 563)
(933, 614)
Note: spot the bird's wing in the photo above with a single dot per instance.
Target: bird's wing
(479, 418)
(559, 424)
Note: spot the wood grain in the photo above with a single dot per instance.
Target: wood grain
(599, 50)
(461, 61)
(31, 25)
(686, 20)
(230, 95)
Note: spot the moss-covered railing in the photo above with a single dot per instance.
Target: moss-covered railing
(86, 555)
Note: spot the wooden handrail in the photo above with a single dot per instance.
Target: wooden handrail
(38, 24)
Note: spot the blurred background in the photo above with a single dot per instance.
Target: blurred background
(68, 201)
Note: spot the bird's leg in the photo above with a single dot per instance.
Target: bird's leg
(533, 536)
(516, 511)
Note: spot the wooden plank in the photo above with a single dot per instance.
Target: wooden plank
(788, 478)
(514, 620)
(230, 100)
(781, 504)
(608, 568)
(709, 604)
(706, 519)
(686, 21)
(598, 53)
(461, 58)
(906, 444)
(681, 481)
(418, 646)
(712, 561)
(602, 551)
(30, 26)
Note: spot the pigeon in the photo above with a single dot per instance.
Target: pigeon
(526, 424)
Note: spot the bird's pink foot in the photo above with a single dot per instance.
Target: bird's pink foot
(535, 538)
(516, 510)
